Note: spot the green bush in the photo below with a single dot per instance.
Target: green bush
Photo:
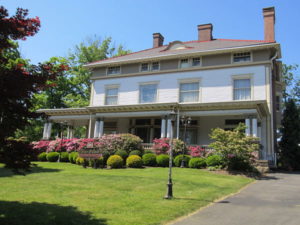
(214, 160)
(64, 157)
(197, 163)
(178, 160)
(148, 151)
(81, 161)
(72, 157)
(122, 153)
(52, 156)
(162, 160)
(105, 156)
(131, 142)
(134, 161)
(149, 159)
(136, 152)
(99, 162)
(115, 161)
(42, 157)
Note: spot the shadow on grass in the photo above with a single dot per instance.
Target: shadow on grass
(35, 213)
(35, 169)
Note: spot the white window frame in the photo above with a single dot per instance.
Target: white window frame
(232, 57)
(243, 77)
(148, 67)
(188, 81)
(107, 70)
(107, 87)
(190, 62)
(179, 63)
(158, 66)
(148, 83)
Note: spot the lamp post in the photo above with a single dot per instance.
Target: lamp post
(186, 121)
(62, 136)
(169, 194)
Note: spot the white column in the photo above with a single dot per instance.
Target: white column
(48, 133)
(90, 127)
(163, 128)
(68, 132)
(169, 128)
(71, 132)
(247, 123)
(96, 130)
(254, 127)
(101, 128)
(45, 131)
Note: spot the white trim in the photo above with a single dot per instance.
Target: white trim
(241, 77)
(133, 114)
(187, 81)
(221, 112)
(243, 62)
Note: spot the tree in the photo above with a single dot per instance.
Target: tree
(292, 82)
(290, 140)
(18, 82)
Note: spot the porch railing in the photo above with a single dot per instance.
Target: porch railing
(149, 146)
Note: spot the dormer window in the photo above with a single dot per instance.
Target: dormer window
(241, 57)
(196, 61)
(184, 63)
(113, 70)
(144, 67)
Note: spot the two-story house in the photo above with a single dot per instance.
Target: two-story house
(216, 82)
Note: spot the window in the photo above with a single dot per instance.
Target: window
(184, 63)
(111, 96)
(189, 92)
(242, 57)
(144, 67)
(241, 89)
(148, 93)
(155, 66)
(196, 61)
(114, 70)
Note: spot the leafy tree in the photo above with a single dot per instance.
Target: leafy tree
(292, 82)
(18, 82)
(290, 140)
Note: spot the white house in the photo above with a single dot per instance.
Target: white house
(217, 82)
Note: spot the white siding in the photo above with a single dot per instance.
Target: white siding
(216, 85)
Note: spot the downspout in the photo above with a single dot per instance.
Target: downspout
(178, 121)
(272, 103)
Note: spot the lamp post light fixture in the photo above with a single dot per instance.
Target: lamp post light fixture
(186, 121)
(169, 195)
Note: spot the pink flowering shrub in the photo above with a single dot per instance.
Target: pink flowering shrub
(161, 146)
(197, 151)
(40, 145)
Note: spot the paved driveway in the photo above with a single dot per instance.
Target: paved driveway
(274, 200)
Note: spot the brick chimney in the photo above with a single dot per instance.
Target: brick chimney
(158, 40)
(269, 22)
(205, 32)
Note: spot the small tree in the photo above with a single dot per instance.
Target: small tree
(235, 148)
(290, 140)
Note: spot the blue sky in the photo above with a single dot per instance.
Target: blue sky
(66, 23)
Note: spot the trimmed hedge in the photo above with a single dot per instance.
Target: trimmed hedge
(42, 157)
(134, 161)
(214, 160)
(64, 157)
(115, 161)
(149, 159)
(122, 153)
(136, 152)
(162, 160)
(197, 163)
(99, 162)
(81, 161)
(178, 160)
(52, 156)
(73, 156)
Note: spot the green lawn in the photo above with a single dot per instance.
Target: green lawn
(66, 194)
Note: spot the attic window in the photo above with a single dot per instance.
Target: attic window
(114, 70)
(242, 57)
(155, 66)
(196, 61)
(184, 63)
(144, 67)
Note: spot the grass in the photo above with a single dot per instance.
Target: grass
(67, 194)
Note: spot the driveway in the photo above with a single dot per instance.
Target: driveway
(274, 200)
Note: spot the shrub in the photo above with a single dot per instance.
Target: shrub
(162, 160)
(131, 142)
(99, 162)
(42, 157)
(64, 157)
(105, 156)
(197, 163)
(134, 161)
(71, 157)
(178, 160)
(75, 156)
(135, 152)
(52, 156)
(115, 161)
(148, 151)
(178, 147)
(214, 160)
(122, 153)
(81, 161)
(149, 159)
(161, 146)
(197, 151)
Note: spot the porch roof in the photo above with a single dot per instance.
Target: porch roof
(260, 106)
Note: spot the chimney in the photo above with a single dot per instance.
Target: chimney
(158, 40)
(205, 32)
(269, 22)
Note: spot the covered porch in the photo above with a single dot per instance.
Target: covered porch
(150, 121)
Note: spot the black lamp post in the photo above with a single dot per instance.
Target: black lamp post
(169, 195)
(186, 121)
